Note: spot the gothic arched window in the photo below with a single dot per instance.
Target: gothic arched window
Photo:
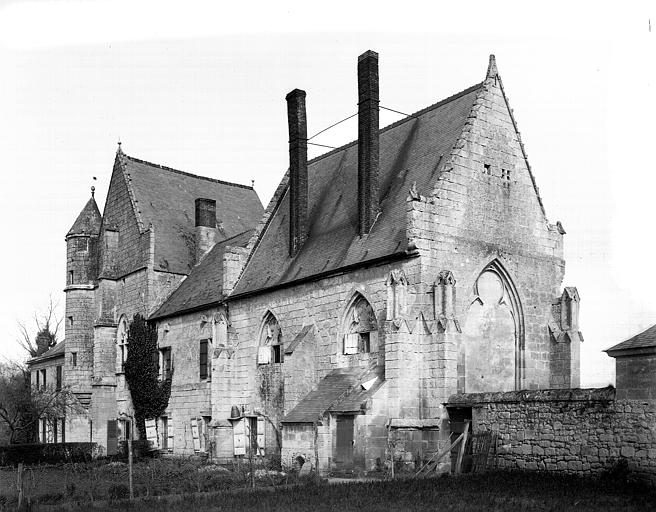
(121, 344)
(360, 327)
(493, 334)
(271, 347)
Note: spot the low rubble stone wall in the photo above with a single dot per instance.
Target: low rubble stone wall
(582, 431)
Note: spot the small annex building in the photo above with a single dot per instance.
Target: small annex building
(384, 276)
(635, 366)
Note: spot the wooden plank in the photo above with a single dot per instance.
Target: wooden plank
(442, 453)
(239, 437)
(461, 452)
(260, 436)
(194, 433)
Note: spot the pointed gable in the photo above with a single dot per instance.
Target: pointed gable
(412, 151)
(163, 198)
(88, 221)
(487, 191)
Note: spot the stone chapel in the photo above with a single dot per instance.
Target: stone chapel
(383, 277)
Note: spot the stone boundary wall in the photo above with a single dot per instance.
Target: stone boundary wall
(583, 431)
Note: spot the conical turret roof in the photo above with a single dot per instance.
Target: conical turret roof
(88, 222)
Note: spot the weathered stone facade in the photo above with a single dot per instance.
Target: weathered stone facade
(384, 277)
(582, 431)
(468, 300)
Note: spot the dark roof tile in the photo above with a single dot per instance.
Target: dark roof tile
(58, 350)
(204, 285)
(338, 387)
(413, 150)
(89, 220)
(646, 339)
(165, 198)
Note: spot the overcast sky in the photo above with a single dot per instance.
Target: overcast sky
(202, 89)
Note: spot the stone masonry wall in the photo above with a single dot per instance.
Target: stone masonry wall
(80, 316)
(485, 208)
(190, 395)
(636, 376)
(322, 304)
(573, 430)
(119, 214)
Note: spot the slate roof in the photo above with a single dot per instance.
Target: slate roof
(165, 198)
(412, 150)
(339, 391)
(355, 400)
(645, 340)
(88, 221)
(58, 350)
(204, 285)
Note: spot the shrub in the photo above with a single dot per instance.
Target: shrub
(51, 453)
(118, 492)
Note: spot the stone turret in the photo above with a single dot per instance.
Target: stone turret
(81, 280)
(82, 246)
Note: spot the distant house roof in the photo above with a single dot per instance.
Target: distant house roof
(204, 286)
(165, 198)
(413, 150)
(88, 221)
(342, 390)
(643, 342)
(58, 350)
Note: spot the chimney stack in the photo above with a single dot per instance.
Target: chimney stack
(368, 144)
(298, 170)
(205, 227)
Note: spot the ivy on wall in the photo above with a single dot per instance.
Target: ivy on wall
(150, 396)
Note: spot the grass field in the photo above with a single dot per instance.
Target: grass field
(483, 492)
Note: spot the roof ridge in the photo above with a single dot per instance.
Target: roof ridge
(404, 120)
(184, 173)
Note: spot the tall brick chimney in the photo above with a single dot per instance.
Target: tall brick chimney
(298, 170)
(368, 144)
(205, 226)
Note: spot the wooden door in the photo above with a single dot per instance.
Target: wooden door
(112, 437)
(164, 433)
(344, 451)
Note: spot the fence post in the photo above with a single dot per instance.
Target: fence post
(130, 458)
(19, 484)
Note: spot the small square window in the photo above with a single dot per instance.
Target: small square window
(505, 176)
(276, 353)
(487, 169)
(165, 363)
(204, 366)
(58, 381)
(365, 342)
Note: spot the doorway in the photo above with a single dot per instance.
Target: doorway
(344, 448)
(458, 416)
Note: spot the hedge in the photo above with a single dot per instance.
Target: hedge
(50, 453)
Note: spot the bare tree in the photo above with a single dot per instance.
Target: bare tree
(47, 330)
(22, 406)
